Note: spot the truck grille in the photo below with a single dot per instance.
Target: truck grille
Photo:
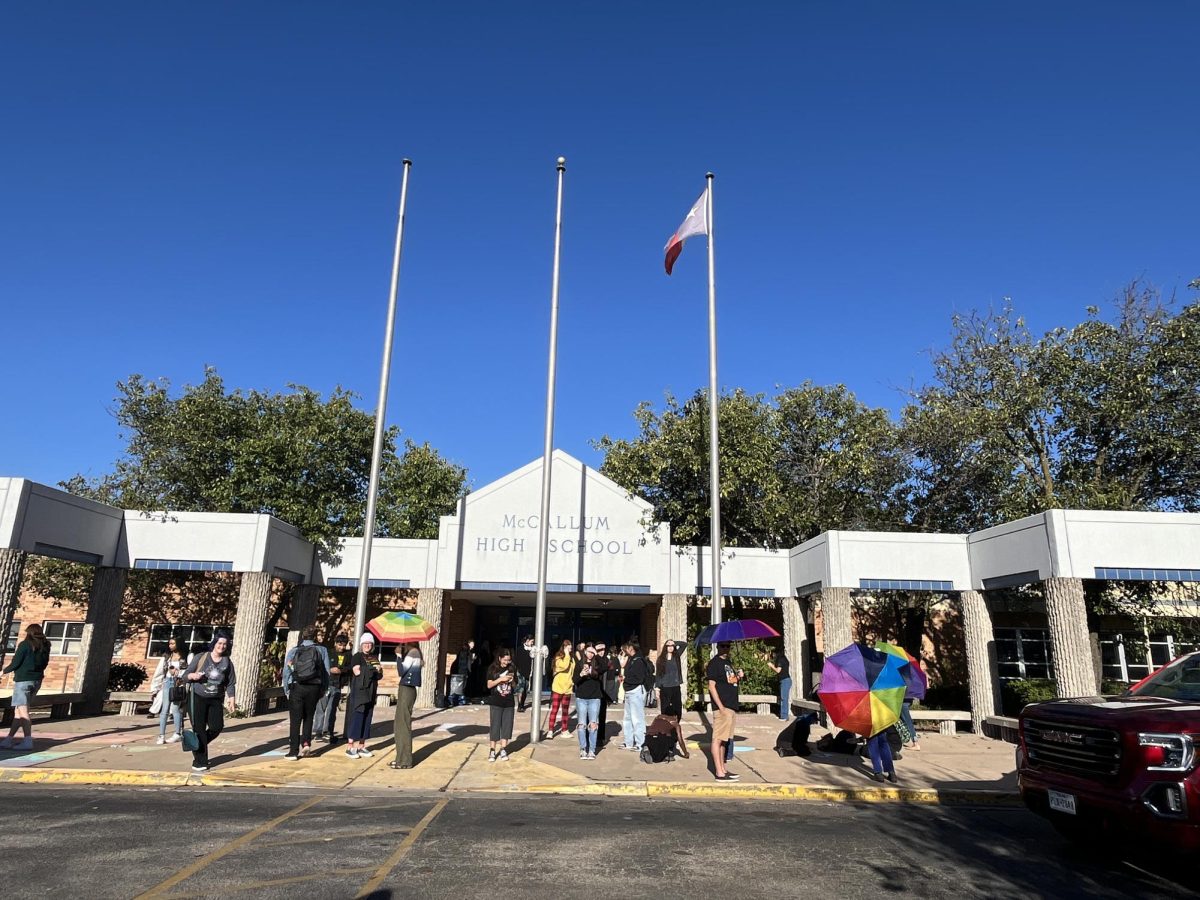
(1077, 749)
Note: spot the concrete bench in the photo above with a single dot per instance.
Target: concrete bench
(800, 707)
(59, 705)
(946, 718)
(762, 702)
(1003, 728)
(129, 700)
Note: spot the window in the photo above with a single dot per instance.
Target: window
(1023, 653)
(197, 637)
(1131, 657)
(14, 634)
(64, 637)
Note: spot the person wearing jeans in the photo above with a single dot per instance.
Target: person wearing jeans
(635, 675)
(588, 687)
(325, 719)
(881, 757)
(783, 669)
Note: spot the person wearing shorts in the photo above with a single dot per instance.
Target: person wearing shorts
(28, 667)
(723, 690)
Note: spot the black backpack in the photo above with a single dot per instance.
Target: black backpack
(658, 748)
(306, 665)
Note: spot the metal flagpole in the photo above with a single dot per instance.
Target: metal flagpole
(714, 478)
(360, 610)
(539, 630)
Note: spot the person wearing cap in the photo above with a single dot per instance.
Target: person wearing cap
(364, 684)
(339, 684)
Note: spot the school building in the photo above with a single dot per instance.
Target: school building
(611, 574)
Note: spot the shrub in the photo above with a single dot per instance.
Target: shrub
(270, 670)
(1020, 692)
(125, 676)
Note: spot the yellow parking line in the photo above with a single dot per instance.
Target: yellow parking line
(274, 882)
(202, 862)
(330, 838)
(405, 845)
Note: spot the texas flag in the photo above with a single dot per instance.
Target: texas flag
(695, 223)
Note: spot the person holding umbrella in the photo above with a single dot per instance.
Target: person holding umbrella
(409, 667)
(723, 689)
(862, 689)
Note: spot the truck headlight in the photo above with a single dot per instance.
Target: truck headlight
(1167, 752)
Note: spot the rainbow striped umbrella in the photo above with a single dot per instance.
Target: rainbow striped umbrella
(863, 689)
(916, 681)
(398, 627)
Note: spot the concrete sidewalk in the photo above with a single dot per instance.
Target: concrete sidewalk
(450, 750)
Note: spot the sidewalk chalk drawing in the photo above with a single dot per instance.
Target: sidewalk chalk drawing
(35, 759)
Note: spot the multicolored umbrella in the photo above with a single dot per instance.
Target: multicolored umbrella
(916, 681)
(735, 630)
(397, 627)
(863, 689)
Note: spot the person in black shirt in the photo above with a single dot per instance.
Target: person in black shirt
(588, 678)
(325, 721)
(723, 690)
(501, 683)
(779, 663)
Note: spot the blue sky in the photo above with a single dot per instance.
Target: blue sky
(216, 184)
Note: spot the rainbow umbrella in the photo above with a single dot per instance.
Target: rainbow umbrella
(862, 689)
(916, 681)
(398, 627)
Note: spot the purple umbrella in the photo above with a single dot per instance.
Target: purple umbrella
(735, 630)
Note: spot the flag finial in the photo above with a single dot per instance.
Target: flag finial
(562, 163)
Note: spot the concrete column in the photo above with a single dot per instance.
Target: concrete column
(249, 629)
(1070, 646)
(429, 607)
(99, 636)
(12, 568)
(836, 628)
(983, 670)
(795, 642)
(672, 618)
(303, 612)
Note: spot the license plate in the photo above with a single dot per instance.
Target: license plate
(1063, 803)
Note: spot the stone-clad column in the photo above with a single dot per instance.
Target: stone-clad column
(795, 643)
(672, 618)
(836, 611)
(99, 636)
(983, 671)
(249, 629)
(430, 602)
(12, 568)
(1070, 645)
(303, 612)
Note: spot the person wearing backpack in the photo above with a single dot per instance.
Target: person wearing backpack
(305, 680)
(637, 677)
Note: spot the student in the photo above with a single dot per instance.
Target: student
(325, 721)
(560, 688)
(637, 675)
(669, 683)
(536, 656)
(305, 681)
(722, 683)
(28, 667)
(881, 757)
(169, 671)
(213, 684)
(408, 667)
(606, 660)
(588, 690)
(782, 668)
(364, 685)
(501, 682)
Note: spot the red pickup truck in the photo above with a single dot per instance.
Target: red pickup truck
(1124, 765)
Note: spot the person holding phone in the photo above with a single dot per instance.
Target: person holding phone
(722, 682)
(502, 685)
(588, 688)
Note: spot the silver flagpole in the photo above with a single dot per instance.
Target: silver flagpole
(714, 478)
(539, 628)
(360, 611)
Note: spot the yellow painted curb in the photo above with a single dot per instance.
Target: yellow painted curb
(600, 788)
(93, 776)
(836, 794)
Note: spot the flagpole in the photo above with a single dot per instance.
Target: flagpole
(714, 477)
(360, 610)
(539, 639)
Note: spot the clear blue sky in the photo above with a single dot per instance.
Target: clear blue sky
(216, 184)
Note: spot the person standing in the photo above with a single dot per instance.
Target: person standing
(722, 683)
(611, 669)
(537, 657)
(781, 667)
(214, 681)
(28, 668)
(636, 677)
(881, 757)
(364, 686)
(409, 669)
(305, 681)
(588, 689)
(561, 687)
(325, 721)
(167, 673)
(669, 683)
(501, 682)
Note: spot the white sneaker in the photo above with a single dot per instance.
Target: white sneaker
(591, 754)
(583, 754)
(173, 738)
(352, 753)
(160, 740)
(503, 755)
(491, 756)
(365, 752)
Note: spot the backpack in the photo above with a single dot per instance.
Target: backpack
(658, 748)
(306, 665)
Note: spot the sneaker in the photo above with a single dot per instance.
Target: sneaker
(160, 740)
(892, 777)
(503, 755)
(174, 738)
(583, 754)
(591, 754)
(352, 753)
(877, 776)
(199, 770)
(491, 756)
(728, 776)
(365, 752)
(26, 744)
(550, 735)
(292, 757)
(323, 738)
(305, 750)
